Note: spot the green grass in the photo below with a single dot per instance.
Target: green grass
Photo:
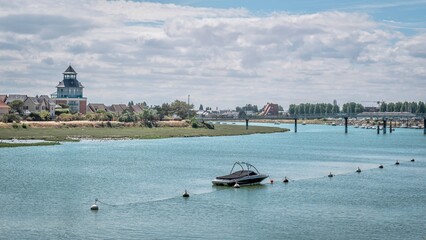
(3, 145)
(66, 134)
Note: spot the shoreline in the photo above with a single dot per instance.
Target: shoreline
(67, 134)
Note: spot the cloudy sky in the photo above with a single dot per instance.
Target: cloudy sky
(222, 53)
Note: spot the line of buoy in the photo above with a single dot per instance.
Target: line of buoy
(185, 194)
(380, 166)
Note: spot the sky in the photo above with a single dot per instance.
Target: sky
(222, 53)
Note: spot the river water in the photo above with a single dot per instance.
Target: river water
(46, 192)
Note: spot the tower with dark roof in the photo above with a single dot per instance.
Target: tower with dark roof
(69, 92)
(69, 87)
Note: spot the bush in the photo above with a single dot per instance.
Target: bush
(61, 111)
(9, 118)
(15, 125)
(65, 117)
(209, 125)
(24, 126)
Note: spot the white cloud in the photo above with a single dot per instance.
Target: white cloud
(223, 57)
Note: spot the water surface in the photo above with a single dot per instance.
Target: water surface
(46, 192)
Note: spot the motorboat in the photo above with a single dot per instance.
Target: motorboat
(248, 175)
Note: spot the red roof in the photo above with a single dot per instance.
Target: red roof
(4, 105)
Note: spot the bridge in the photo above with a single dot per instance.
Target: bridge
(383, 116)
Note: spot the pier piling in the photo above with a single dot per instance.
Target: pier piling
(390, 126)
(424, 126)
(247, 123)
(346, 124)
(295, 125)
(378, 127)
(384, 126)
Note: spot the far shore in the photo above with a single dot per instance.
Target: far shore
(395, 124)
(78, 130)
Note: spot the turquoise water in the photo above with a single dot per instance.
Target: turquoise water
(46, 192)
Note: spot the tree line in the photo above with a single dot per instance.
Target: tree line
(313, 108)
(412, 107)
(355, 108)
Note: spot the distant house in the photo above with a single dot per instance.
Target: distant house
(118, 108)
(136, 108)
(3, 98)
(47, 104)
(37, 104)
(94, 107)
(13, 97)
(31, 104)
(270, 109)
(69, 92)
(4, 108)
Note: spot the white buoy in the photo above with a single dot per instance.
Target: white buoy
(396, 163)
(185, 194)
(358, 170)
(237, 185)
(94, 207)
(381, 166)
(413, 160)
(330, 175)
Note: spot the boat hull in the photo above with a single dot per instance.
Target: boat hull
(249, 180)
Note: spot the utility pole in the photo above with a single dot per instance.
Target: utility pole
(188, 106)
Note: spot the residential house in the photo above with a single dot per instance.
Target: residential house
(47, 104)
(31, 104)
(118, 108)
(94, 107)
(270, 109)
(136, 108)
(3, 98)
(4, 108)
(13, 97)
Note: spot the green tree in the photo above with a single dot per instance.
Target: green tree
(16, 106)
(336, 109)
(398, 107)
(390, 107)
(383, 107)
(421, 108)
(302, 108)
(291, 109)
(182, 109)
(359, 108)
(413, 107)
(9, 118)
